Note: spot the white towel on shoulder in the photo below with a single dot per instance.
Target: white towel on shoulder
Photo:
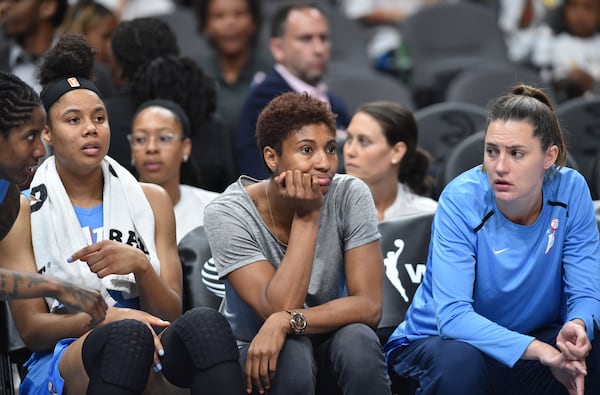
(57, 233)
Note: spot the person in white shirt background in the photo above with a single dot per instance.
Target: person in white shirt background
(381, 149)
(160, 148)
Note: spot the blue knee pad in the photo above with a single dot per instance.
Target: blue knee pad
(207, 337)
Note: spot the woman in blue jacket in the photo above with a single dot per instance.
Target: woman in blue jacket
(511, 298)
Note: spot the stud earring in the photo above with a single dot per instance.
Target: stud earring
(185, 159)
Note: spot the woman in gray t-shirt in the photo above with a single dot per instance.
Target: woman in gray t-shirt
(301, 261)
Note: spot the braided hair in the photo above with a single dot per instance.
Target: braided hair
(17, 102)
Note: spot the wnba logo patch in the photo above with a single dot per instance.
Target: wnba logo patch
(73, 82)
(551, 234)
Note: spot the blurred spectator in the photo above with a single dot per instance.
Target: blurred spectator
(134, 44)
(161, 148)
(235, 61)
(132, 9)
(570, 56)
(301, 48)
(96, 23)
(521, 21)
(181, 80)
(383, 19)
(30, 27)
(381, 149)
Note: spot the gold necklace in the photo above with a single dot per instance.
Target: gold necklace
(269, 205)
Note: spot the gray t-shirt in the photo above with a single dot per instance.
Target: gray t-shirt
(238, 237)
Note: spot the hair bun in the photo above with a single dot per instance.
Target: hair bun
(71, 56)
(533, 92)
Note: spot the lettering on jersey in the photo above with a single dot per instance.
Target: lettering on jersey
(415, 271)
(132, 239)
(37, 197)
(92, 236)
(116, 235)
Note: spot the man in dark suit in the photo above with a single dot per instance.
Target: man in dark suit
(300, 46)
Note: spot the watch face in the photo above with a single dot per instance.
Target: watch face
(298, 322)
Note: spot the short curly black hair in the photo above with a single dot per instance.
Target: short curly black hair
(288, 113)
(17, 102)
(138, 41)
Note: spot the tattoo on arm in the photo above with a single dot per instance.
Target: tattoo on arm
(3, 285)
(36, 280)
(17, 282)
(15, 285)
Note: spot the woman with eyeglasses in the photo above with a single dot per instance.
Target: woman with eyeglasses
(160, 151)
(93, 223)
(181, 80)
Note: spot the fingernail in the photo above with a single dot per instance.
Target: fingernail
(248, 390)
(69, 259)
(157, 368)
(161, 352)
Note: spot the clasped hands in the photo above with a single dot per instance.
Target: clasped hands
(568, 366)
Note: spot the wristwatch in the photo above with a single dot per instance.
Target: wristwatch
(297, 322)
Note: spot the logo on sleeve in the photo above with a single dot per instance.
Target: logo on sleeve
(551, 233)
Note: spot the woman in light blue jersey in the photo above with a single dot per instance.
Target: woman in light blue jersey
(510, 302)
(94, 224)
